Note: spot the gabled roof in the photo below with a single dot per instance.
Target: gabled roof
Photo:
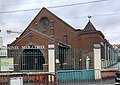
(28, 27)
(49, 13)
(89, 27)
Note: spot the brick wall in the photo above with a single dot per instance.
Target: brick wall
(108, 74)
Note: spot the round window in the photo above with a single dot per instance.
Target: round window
(44, 23)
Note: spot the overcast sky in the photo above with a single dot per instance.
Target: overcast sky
(14, 15)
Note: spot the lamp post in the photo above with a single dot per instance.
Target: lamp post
(102, 63)
(80, 62)
(87, 62)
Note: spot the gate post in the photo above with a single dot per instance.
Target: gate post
(51, 58)
(97, 61)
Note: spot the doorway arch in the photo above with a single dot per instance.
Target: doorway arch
(32, 59)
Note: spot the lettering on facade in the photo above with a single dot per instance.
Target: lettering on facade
(27, 47)
(39, 47)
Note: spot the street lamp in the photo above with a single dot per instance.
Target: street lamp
(10, 32)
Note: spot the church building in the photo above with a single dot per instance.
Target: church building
(48, 29)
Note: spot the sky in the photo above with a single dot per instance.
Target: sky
(16, 15)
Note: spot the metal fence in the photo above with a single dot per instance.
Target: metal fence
(78, 59)
(74, 59)
(34, 59)
(29, 59)
(72, 67)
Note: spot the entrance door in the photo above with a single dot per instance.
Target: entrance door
(32, 59)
